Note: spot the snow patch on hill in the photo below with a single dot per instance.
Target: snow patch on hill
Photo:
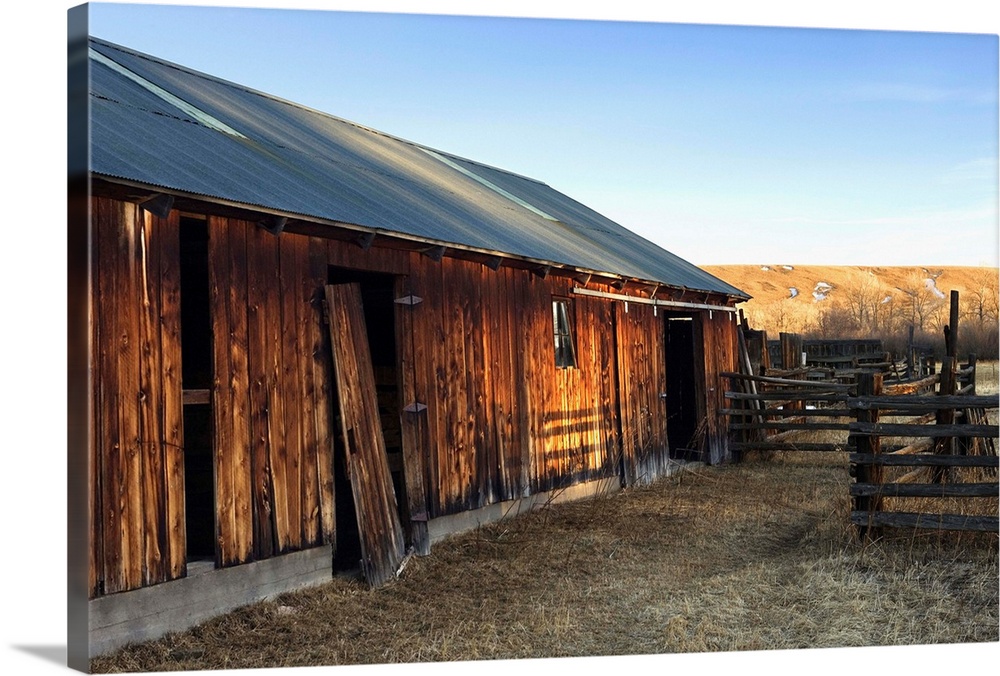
(931, 284)
(821, 290)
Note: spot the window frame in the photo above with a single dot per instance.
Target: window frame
(563, 330)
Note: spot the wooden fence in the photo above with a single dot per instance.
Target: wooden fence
(923, 440)
(902, 442)
(944, 448)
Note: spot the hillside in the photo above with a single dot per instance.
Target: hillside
(807, 298)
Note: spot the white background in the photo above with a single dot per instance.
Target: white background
(33, 446)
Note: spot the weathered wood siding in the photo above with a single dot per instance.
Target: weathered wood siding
(137, 462)
(271, 392)
(502, 420)
(642, 378)
(492, 417)
(719, 341)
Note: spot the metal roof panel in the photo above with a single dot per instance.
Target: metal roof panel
(299, 161)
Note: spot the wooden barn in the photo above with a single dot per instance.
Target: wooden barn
(312, 344)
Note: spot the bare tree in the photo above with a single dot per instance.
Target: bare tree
(981, 300)
(921, 303)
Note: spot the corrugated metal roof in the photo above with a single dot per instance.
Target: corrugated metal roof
(164, 125)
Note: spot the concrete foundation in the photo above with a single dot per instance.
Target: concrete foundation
(151, 612)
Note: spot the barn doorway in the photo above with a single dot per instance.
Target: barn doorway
(377, 294)
(681, 399)
(196, 383)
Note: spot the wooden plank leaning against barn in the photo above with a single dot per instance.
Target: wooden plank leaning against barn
(382, 542)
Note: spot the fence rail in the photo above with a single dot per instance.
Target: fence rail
(927, 438)
(942, 434)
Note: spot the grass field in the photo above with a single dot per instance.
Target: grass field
(746, 557)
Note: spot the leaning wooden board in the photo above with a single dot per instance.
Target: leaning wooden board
(382, 545)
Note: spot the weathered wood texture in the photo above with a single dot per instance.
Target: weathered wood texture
(382, 545)
(642, 377)
(502, 420)
(874, 520)
(720, 343)
(493, 417)
(271, 395)
(138, 534)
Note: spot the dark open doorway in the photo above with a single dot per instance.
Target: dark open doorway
(681, 400)
(377, 296)
(196, 382)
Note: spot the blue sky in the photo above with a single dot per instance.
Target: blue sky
(723, 144)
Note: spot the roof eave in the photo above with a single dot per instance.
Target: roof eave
(308, 224)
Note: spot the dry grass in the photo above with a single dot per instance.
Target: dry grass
(745, 557)
(752, 556)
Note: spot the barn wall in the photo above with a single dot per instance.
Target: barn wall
(502, 421)
(271, 392)
(642, 376)
(137, 498)
(720, 345)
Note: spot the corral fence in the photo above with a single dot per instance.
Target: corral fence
(842, 360)
(921, 446)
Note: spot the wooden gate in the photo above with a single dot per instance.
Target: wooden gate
(382, 545)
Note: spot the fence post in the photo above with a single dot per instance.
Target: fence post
(945, 416)
(971, 416)
(869, 385)
(791, 350)
(951, 331)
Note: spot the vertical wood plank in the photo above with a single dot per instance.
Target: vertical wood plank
(293, 268)
(277, 449)
(460, 447)
(173, 415)
(259, 262)
(438, 392)
(413, 424)
(228, 280)
(95, 443)
(220, 280)
(239, 346)
(309, 326)
(109, 440)
(869, 384)
(153, 509)
(515, 438)
(624, 388)
(427, 340)
(371, 483)
(130, 461)
(322, 374)
(478, 374)
(528, 394)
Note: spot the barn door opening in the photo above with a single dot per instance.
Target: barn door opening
(681, 399)
(196, 383)
(368, 447)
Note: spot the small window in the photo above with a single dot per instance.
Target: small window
(562, 324)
